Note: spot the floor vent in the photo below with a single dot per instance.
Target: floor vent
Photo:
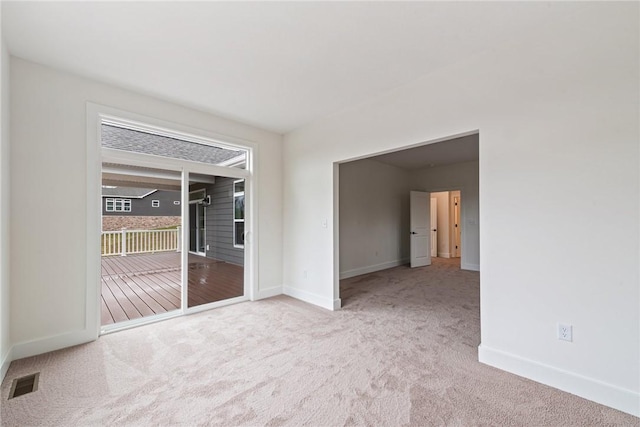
(24, 385)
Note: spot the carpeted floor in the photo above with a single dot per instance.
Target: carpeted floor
(402, 351)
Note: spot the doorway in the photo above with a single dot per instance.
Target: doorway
(446, 226)
(161, 269)
(197, 238)
(372, 218)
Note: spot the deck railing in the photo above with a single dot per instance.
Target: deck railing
(140, 241)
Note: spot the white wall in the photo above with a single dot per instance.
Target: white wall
(558, 118)
(49, 203)
(442, 223)
(5, 342)
(462, 176)
(374, 217)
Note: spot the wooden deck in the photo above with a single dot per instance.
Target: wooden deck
(136, 286)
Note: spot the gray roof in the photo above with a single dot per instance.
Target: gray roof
(146, 143)
(128, 192)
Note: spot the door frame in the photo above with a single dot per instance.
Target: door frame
(96, 155)
(198, 237)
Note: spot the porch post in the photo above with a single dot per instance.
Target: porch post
(123, 243)
(178, 239)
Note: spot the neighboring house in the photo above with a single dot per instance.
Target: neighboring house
(127, 201)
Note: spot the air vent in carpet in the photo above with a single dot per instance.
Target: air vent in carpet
(24, 385)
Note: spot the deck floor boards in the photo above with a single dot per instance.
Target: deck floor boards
(136, 286)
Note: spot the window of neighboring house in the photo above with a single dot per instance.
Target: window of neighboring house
(118, 205)
(155, 203)
(238, 213)
(176, 202)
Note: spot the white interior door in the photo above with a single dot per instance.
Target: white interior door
(434, 227)
(420, 225)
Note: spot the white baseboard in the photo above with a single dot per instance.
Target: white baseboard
(606, 394)
(4, 365)
(472, 267)
(444, 255)
(268, 293)
(57, 342)
(312, 298)
(372, 268)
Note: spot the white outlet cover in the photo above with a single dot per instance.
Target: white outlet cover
(565, 332)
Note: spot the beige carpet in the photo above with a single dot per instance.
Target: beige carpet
(403, 351)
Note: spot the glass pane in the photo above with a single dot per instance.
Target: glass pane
(239, 233)
(147, 281)
(216, 270)
(146, 143)
(239, 207)
(239, 187)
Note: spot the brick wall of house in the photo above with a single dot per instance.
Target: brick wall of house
(114, 223)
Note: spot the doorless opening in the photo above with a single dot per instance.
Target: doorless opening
(373, 220)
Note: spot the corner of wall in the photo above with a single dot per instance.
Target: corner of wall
(312, 298)
(4, 363)
(6, 351)
(268, 293)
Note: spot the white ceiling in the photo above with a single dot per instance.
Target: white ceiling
(276, 65)
(463, 149)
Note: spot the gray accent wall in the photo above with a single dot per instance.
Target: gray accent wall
(144, 207)
(219, 223)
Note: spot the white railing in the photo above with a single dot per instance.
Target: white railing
(140, 241)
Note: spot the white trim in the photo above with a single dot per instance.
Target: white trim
(5, 363)
(94, 226)
(470, 267)
(268, 293)
(186, 243)
(56, 342)
(312, 298)
(336, 235)
(134, 323)
(589, 388)
(373, 268)
(216, 304)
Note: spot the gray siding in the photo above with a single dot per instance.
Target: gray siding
(219, 223)
(143, 207)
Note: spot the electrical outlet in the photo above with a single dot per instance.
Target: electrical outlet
(565, 332)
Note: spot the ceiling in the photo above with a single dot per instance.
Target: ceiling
(458, 150)
(275, 65)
